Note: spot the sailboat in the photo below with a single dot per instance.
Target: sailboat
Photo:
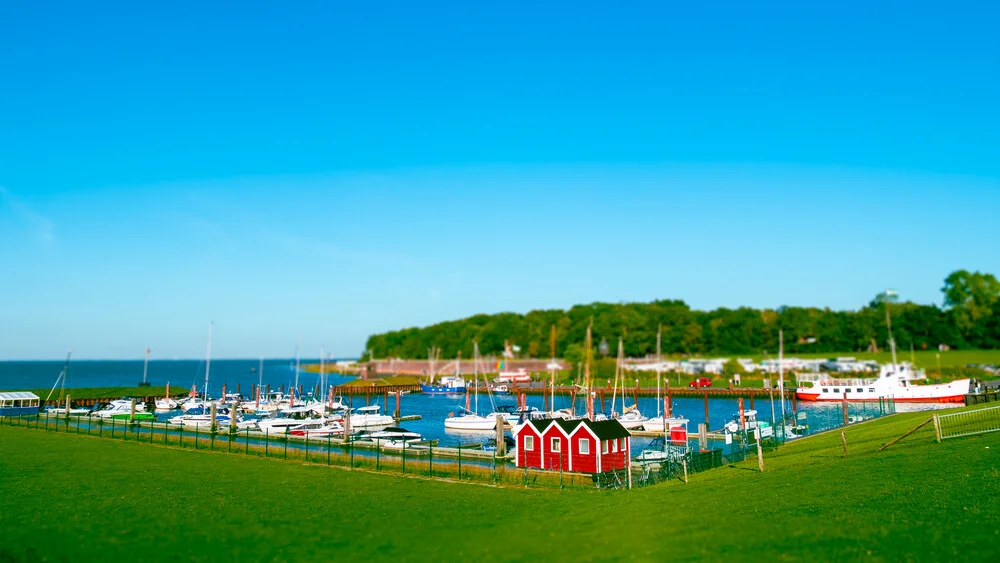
(630, 418)
(657, 423)
(61, 382)
(447, 385)
(471, 420)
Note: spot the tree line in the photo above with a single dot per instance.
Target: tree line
(968, 318)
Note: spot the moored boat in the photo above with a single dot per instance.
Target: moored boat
(898, 382)
(318, 429)
(367, 417)
(394, 435)
(447, 385)
(121, 409)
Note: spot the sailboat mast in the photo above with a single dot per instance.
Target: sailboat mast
(475, 353)
(295, 389)
(552, 372)
(586, 370)
(322, 373)
(659, 336)
(781, 373)
(892, 341)
(260, 374)
(61, 379)
(145, 365)
(208, 358)
(65, 374)
(620, 370)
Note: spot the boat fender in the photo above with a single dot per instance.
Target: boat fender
(451, 414)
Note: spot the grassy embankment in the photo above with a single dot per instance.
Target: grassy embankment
(89, 393)
(69, 497)
(944, 365)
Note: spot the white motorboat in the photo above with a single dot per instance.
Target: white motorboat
(166, 404)
(632, 420)
(750, 423)
(394, 435)
(514, 415)
(61, 411)
(367, 417)
(122, 409)
(287, 419)
(656, 424)
(318, 429)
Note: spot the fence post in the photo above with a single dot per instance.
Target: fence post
(378, 459)
(843, 439)
(351, 447)
(112, 428)
(197, 430)
(180, 437)
(307, 446)
(286, 444)
(937, 428)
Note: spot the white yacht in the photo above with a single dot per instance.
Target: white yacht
(367, 417)
(287, 419)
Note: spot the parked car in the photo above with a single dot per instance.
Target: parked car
(701, 382)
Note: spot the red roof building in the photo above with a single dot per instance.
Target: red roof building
(579, 445)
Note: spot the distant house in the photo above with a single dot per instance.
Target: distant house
(580, 445)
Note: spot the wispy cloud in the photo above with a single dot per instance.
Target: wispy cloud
(42, 227)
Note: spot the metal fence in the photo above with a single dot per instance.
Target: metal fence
(463, 463)
(979, 421)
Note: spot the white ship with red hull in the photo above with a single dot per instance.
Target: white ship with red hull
(895, 381)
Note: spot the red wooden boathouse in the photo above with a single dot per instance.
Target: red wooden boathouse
(580, 445)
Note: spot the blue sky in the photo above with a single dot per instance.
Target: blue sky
(332, 170)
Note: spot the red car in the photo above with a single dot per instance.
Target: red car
(701, 382)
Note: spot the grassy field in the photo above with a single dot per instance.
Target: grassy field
(64, 497)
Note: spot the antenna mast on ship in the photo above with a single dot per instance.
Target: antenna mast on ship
(888, 323)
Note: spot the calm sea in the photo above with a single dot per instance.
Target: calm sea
(183, 373)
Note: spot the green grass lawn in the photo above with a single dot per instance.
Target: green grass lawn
(64, 497)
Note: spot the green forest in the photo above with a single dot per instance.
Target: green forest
(968, 318)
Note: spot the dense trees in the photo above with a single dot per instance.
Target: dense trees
(970, 318)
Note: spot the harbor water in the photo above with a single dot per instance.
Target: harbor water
(432, 409)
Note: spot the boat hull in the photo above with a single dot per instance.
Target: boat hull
(458, 423)
(437, 390)
(816, 397)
